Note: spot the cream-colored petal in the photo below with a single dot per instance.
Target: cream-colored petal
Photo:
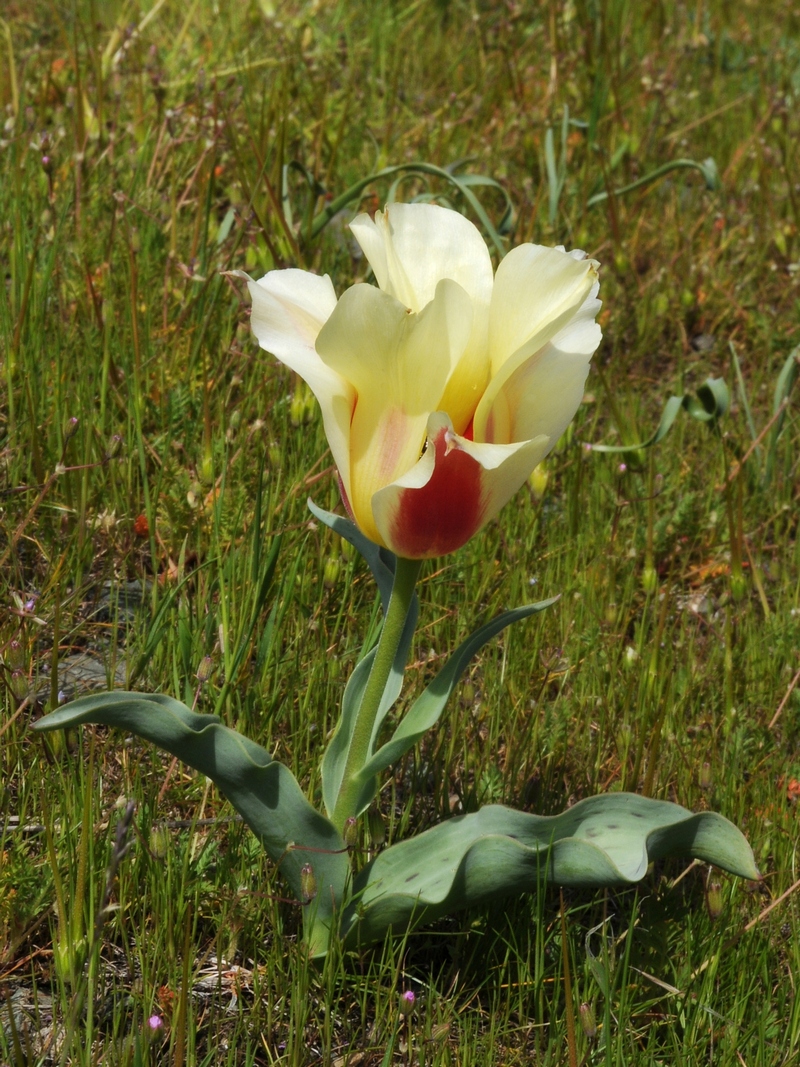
(398, 363)
(537, 291)
(542, 395)
(539, 391)
(412, 247)
(289, 309)
(456, 487)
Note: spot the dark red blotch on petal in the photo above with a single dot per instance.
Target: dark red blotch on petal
(442, 515)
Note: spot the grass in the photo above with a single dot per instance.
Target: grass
(152, 456)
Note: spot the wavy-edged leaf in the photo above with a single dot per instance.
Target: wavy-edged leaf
(429, 705)
(263, 791)
(602, 841)
(380, 561)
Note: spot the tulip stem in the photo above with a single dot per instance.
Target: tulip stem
(405, 580)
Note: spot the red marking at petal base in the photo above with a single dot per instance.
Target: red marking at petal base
(442, 515)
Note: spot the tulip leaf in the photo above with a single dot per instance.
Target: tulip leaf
(263, 791)
(710, 403)
(708, 168)
(602, 841)
(429, 705)
(381, 561)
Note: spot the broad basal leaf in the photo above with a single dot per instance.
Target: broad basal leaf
(263, 791)
(601, 841)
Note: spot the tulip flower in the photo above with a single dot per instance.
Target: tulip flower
(443, 387)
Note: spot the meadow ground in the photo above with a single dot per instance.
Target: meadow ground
(145, 149)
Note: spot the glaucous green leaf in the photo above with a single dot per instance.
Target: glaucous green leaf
(429, 705)
(263, 791)
(379, 560)
(495, 852)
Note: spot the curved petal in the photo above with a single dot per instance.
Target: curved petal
(537, 291)
(455, 488)
(412, 247)
(398, 363)
(542, 394)
(290, 308)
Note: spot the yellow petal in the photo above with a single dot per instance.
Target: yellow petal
(543, 393)
(398, 364)
(538, 387)
(456, 487)
(290, 308)
(537, 291)
(411, 248)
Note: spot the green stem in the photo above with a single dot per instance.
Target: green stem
(405, 579)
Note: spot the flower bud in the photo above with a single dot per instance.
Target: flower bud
(20, 685)
(159, 842)
(348, 551)
(308, 884)
(205, 670)
(538, 481)
(649, 579)
(705, 779)
(624, 739)
(330, 575)
(350, 832)
(155, 1024)
(114, 445)
(377, 828)
(588, 1021)
(207, 468)
(407, 1001)
(15, 655)
(714, 901)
